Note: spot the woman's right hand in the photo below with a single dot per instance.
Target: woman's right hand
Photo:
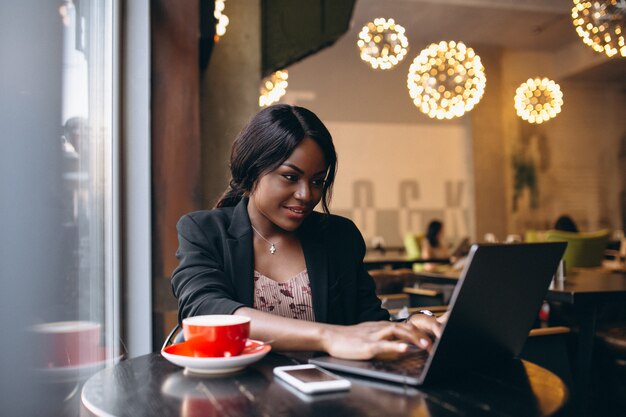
(381, 339)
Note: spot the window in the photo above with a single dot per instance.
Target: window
(89, 168)
(58, 200)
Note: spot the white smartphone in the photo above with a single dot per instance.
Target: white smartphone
(311, 379)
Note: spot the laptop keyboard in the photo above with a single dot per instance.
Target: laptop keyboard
(410, 364)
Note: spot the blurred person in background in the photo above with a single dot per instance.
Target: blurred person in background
(566, 224)
(432, 244)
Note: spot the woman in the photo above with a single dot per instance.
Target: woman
(265, 254)
(432, 246)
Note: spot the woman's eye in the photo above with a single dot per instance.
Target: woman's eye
(290, 177)
(318, 183)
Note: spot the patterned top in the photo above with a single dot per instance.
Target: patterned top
(291, 299)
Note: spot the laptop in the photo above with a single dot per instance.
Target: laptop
(462, 248)
(492, 309)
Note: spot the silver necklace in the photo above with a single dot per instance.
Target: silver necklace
(272, 244)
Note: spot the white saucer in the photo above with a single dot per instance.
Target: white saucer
(212, 366)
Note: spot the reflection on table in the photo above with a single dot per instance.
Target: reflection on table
(149, 386)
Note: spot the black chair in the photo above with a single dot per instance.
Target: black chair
(175, 336)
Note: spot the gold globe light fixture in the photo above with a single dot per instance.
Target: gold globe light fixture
(601, 24)
(220, 18)
(446, 80)
(382, 43)
(273, 88)
(538, 100)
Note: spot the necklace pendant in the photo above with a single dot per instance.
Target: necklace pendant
(273, 249)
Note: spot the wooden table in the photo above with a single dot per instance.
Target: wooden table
(447, 276)
(586, 290)
(151, 386)
(375, 259)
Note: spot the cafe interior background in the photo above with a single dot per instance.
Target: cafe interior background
(118, 116)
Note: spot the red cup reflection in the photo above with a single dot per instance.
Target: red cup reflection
(200, 407)
(67, 343)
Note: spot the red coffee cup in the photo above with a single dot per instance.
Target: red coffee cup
(216, 335)
(67, 343)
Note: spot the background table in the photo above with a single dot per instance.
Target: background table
(375, 259)
(151, 386)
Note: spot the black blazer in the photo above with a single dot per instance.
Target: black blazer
(215, 274)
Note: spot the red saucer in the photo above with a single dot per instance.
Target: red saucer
(185, 349)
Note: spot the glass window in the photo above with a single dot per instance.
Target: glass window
(88, 142)
(58, 199)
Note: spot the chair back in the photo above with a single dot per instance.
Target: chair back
(388, 281)
(534, 236)
(413, 245)
(583, 249)
(413, 248)
(175, 336)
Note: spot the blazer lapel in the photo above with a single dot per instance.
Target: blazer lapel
(316, 259)
(242, 253)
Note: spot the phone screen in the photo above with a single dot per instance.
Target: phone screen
(310, 375)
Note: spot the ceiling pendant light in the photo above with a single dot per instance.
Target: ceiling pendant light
(601, 24)
(538, 100)
(220, 18)
(273, 88)
(446, 80)
(382, 43)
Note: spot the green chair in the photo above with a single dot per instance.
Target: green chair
(413, 245)
(533, 236)
(413, 248)
(583, 249)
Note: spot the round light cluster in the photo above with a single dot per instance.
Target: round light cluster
(273, 88)
(538, 100)
(382, 43)
(600, 24)
(220, 18)
(446, 80)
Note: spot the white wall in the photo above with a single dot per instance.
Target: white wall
(394, 178)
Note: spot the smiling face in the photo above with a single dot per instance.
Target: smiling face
(282, 198)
